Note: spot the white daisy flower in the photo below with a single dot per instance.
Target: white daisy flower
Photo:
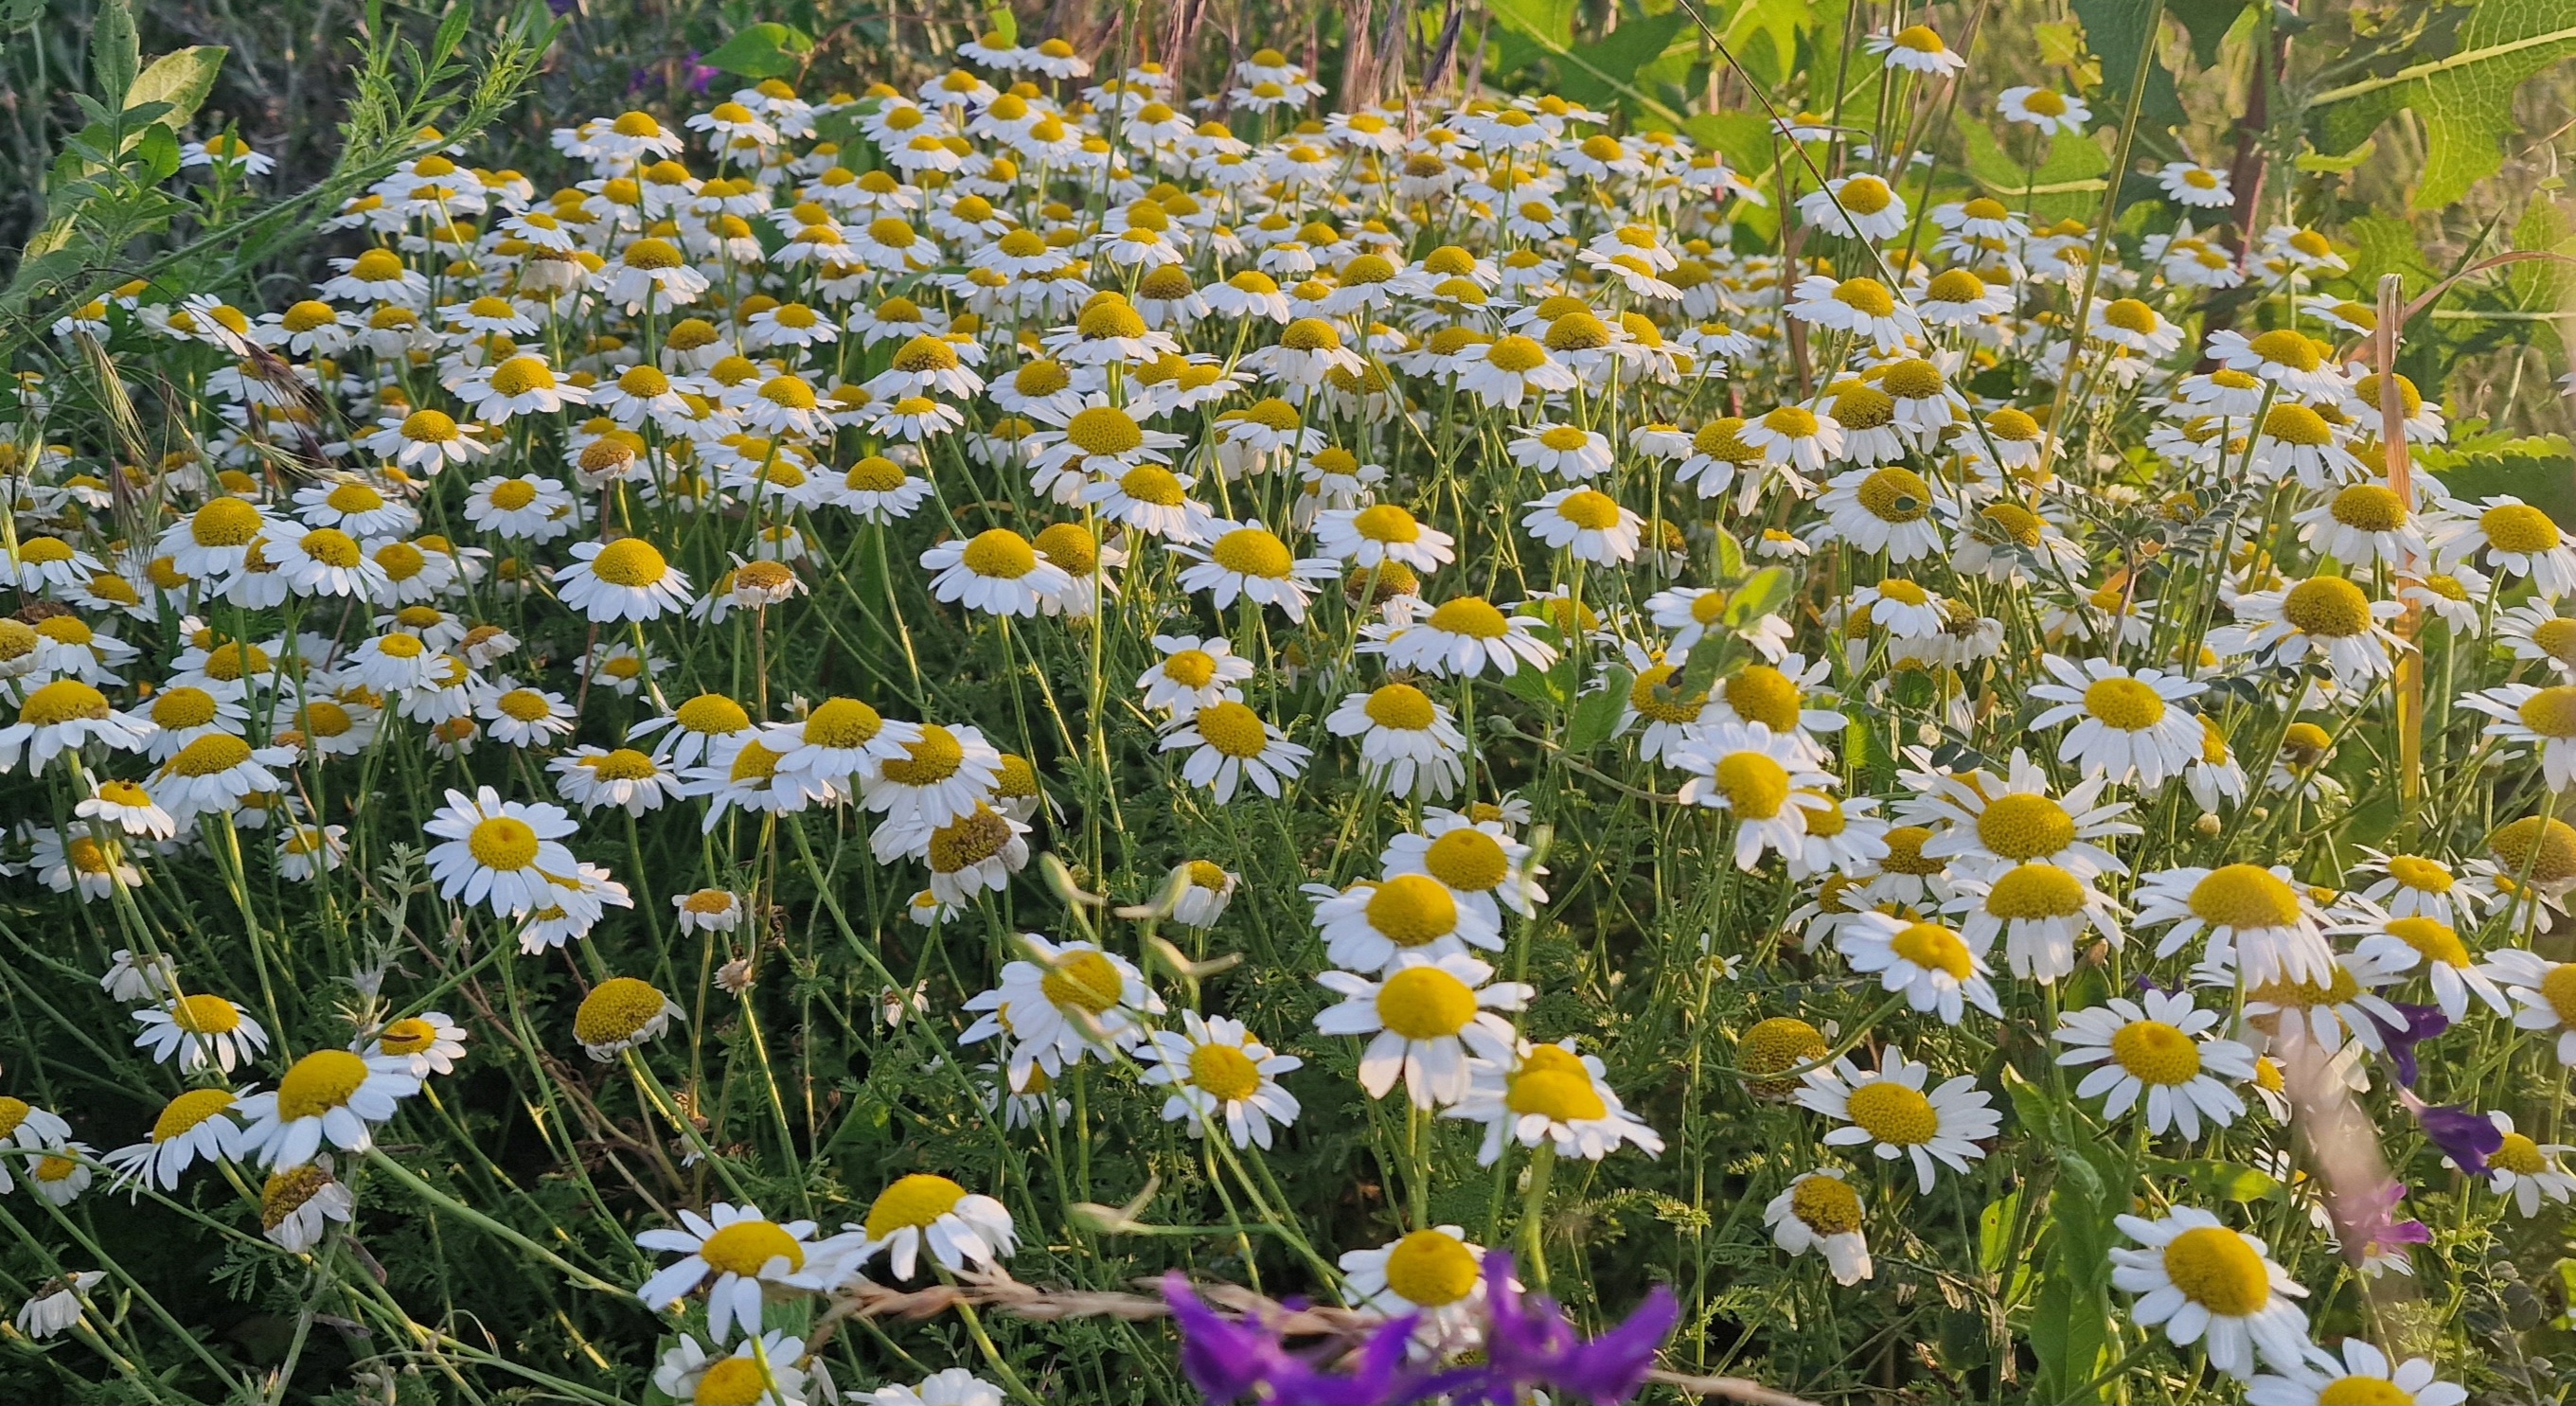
(2128, 722)
(742, 1258)
(1217, 1072)
(199, 1031)
(1887, 1109)
(1423, 1018)
(1550, 1094)
(1230, 743)
(1819, 1211)
(1935, 968)
(328, 1094)
(2157, 1050)
(2257, 920)
(926, 1212)
(2204, 1283)
(1409, 745)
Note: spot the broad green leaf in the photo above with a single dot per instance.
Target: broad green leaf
(1994, 1225)
(2384, 244)
(2465, 99)
(159, 148)
(114, 51)
(1612, 72)
(1595, 714)
(1546, 25)
(766, 50)
(182, 78)
(1765, 592)
(2067, 181)
(2207, 22)
(2119, 35)
(1743, 138)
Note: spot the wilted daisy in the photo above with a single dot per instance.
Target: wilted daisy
(1887, 1109)
(56, 1305)
(742, 1259)
(1217, 1072)
(2204, 1283)
(1819, 1211)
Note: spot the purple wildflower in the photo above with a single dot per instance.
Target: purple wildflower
(2467, 1138)
(2422, 1023)
(1529, 1343)
(1234, 1360)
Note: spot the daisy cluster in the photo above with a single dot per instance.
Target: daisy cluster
(1046, 469)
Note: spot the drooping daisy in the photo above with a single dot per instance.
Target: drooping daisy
(2204, 1283)
(65, 716)
(760, 1371)
(2396, 944)
(741, 1257)
(2510, 536)
(1819, 1211)
(431, 1041)
(620, 1014)
(1436, 1273)
(2526, 1170)
(1887, 1109)
(1462, 637)
(1217, 1072)
(628, 579)
(2545, 991)
(1409, 744)
(197, 1126)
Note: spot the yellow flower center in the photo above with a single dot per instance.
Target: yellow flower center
(2519, 528)
(1894, 1114)
(332, 547)
(1934, 948)
(2125, 704)
(2215, 1268)
(713, 714)
(1425, 1003)
(2436, 941)
(1652, 696)
(2364, 1391)
(188, 1110)
(2518, 1155)
(615, 1010)
(1468, 860)
(1152, 484)
(2021, 826)
(746, 1246)
(999, 554)
(520, 375)
(2130, 315)
(205, 1015)
(2046, 103)
(933, 759)
(1471, 616)
(2245, 897)
(503, 843)
(1827, 1205)
(1761, 694)
(1084, 980)
(409, 1035)
(1225, 1072)
(62, 701)
(1410, 910)
(630, 562)
(1430, 1268)
(2537, 847)
(2036, 891)
(225, 522)
(2157, 1053)
(318, 1083)
(1400, 706)
(1190, 668)
(1895, 495)
(915, 1201)
(1588, 509)
(732, 1381)
(969, 841)
(1233, 729)
(2559, 989)
(2297, 424)
(2369, 507)
(1554, 1092)
(2328, 606)
(1755, 786)
(2283, 347)
(1866, 195)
